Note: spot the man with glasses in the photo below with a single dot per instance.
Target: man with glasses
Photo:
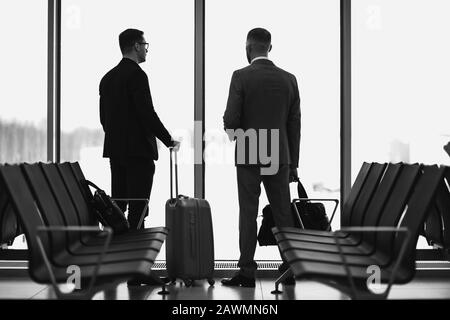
(131, 124)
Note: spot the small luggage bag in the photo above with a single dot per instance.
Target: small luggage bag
(190, 241)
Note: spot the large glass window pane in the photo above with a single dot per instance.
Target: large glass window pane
(90, 47)
(400, 68)
(23, 83)
(305, 38)
(23, 79)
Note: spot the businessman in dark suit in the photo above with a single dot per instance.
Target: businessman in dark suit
(262, 113)
(131, 124)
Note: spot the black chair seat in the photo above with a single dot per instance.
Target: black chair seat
(359, 260)
(114, 247)
(362, 249)
(287, 231)
(159, 234)
(345, 241)
(118, 272)
(86, 258)
(336, 271)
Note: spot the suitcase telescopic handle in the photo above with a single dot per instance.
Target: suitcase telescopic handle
(171, 174)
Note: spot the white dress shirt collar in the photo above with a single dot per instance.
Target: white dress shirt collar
(259, 58)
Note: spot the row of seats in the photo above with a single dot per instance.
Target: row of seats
(61, 231)
(382, 219)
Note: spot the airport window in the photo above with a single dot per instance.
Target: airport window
(23, 79)
(23, 65)
(400, 82)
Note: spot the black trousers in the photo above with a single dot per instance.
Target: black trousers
(249, 180)
(132, 177)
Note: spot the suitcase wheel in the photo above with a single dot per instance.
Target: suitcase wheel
(211, 282)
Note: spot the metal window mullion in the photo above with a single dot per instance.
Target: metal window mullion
(58, 81)
(345, 114)
(199, 99)
(50, 78)
(53, 80)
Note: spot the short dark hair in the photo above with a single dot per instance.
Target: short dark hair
(260, 38)
(128, 38)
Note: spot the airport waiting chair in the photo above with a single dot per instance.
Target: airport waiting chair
(76, 210)
(79, 187)
(347, 207)
(367, 209)
(386, 208)
(355, 210)
(59, 211)
(395, 256)
(48, 245)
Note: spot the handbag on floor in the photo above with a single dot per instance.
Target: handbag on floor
(107, 211)
(307, 215)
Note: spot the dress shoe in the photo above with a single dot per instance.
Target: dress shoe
(239, 280)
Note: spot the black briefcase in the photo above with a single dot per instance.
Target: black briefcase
(307, 215)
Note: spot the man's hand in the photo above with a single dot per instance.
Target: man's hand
(447, 148)
(293, 175)
(175, 145)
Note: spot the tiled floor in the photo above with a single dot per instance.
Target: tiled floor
(436, 288)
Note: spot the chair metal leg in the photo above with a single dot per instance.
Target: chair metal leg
(164, 290)
(284, 276)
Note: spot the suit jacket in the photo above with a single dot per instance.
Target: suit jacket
(127, 115)
(263, 96)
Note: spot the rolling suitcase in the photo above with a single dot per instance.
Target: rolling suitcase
(190, 242)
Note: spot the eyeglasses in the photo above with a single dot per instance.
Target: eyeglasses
(145, 43)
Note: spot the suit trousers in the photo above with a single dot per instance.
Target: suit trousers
(249, 180)
(132, 177)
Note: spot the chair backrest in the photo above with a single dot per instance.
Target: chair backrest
(87, 193)
(49, 208)
(77, 194)
(367, 191)
(396, 205)
(25, 207)
(380, 198)
(445, 209)
(62, 198)
(78, 173)
(354, 193)
(415, 213)
(434, 225)
(9, 224)
(437, 224)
